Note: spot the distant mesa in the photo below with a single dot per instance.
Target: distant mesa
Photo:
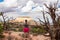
(22, 19)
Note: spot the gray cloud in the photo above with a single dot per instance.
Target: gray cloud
(8, 9)
(23, 2)
(15, 11)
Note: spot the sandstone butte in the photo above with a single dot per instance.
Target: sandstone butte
(21, 19)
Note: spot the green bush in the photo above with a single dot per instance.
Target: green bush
(1, 29)
(37, 30)
(1, 32)
(15, 30)
(34, 30)
(20, 29)
(41, 31)
(2, 36)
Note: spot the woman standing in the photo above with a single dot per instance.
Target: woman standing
(26, 29)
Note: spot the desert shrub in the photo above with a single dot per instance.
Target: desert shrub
(1, 29)
(37, 30)
(13, 29)
(1, 32)
(20, 29)
(2, 36)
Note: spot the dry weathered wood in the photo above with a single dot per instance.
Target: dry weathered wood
(56, 25)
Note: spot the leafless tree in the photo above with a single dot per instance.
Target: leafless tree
(5, 20)
(53, 30)
(4, 23)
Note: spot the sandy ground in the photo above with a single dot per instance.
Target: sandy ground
(17, 36)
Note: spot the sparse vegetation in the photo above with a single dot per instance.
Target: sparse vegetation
(37, 30)
(1, 32)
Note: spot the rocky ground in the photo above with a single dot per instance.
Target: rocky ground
(17, 36)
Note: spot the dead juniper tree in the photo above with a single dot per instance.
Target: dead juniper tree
(5, 21)
(54, 29)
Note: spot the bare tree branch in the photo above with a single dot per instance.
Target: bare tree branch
(46, 6)
(40, 20)
(44, 16)
(55, 4)
(36, 23)
(48, 13)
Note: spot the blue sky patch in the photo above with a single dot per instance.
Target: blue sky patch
(33, 7)
(1, 0)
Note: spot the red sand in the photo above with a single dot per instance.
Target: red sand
(15, 35)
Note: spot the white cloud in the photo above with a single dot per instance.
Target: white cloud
(28, 6)
(9, 3)
(30, 3)
(31, 6)
(26, 9)
(37, 9)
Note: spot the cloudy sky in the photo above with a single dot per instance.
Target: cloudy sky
(32, 8)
